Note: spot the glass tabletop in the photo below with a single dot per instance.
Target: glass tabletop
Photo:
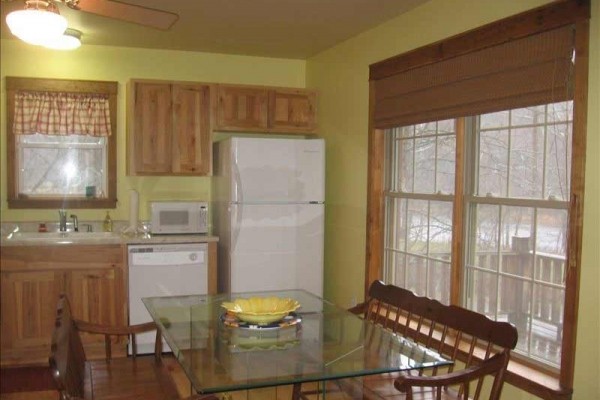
(321, 341)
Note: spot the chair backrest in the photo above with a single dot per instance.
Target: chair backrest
(454, 332)
(67, 358)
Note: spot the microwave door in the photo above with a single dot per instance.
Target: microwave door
(178, 218)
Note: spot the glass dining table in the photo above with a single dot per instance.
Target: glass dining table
(319, 342)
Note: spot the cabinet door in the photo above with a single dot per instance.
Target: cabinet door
(96, 296)
(242, 108)
(29, 308)
(292, 110)
(191, 129)
(151, 134)
(32, 278)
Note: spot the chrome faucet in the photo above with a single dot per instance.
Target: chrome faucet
(75, 223)
(62, 221)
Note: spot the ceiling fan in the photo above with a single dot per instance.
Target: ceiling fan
(158, 19)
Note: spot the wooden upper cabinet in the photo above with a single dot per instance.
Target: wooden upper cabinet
(152, 131)
(292, 110)
(265, 109)
(169, 129)
(242, 108)
(191, 129)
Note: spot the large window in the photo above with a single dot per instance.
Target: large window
(516, 89)
(516, 192)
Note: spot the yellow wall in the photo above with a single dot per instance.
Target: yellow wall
(122, 64)
(341, 76)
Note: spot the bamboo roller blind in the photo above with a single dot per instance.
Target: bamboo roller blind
(523, 72)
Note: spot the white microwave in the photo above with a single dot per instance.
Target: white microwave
(178, 217)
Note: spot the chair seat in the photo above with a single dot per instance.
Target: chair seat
(141, 378)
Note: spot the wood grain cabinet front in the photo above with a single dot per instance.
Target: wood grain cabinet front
(31, 280)
(169, 128)
(265, 109)
(242, 108)
(292, 110)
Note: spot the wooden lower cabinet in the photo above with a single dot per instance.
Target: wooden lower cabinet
(31, 280)
(27, 312)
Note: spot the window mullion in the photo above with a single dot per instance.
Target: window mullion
(544, 164)
(427, 260)
(499, 260)
(413, 169)
(457, 273)
(508, 157)
(533, 286)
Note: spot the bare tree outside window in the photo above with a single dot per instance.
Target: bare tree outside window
(419, 207)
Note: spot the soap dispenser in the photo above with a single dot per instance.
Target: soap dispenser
(107, 225)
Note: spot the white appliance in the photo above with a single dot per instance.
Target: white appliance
(163, 270)
(178, 217)
(269, 213)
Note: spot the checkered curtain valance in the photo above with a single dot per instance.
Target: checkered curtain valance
(57, 113)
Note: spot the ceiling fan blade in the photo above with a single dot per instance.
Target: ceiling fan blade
(129, 12)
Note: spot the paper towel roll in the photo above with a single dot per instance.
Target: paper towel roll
(134, 205)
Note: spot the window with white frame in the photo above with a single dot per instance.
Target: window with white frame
(420, 178)
(516, 200)
(67, 166)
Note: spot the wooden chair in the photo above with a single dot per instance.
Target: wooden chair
(458, 334)
(111, 378)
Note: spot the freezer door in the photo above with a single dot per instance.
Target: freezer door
(277, 170)
(277, 246)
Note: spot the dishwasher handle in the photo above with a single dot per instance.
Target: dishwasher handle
(174, 258)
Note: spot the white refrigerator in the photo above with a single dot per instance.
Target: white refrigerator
(268, 212)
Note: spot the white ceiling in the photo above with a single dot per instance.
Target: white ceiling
(271, 28)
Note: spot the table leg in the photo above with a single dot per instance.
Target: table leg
(296, 391)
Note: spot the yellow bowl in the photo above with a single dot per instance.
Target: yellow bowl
(261, 310)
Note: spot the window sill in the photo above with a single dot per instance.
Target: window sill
(62, 203)
(534, 380)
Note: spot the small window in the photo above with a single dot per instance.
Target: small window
(63, 146)
(62, 166)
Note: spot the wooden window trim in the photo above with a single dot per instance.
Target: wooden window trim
(13, 84)
(541, 19)
(530, 378)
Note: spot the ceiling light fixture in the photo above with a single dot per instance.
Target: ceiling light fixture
(70, 40)
(37, 23)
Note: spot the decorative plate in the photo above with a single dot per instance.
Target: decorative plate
(234, 322)
(261, 310)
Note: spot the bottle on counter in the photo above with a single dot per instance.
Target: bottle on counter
(107, 225)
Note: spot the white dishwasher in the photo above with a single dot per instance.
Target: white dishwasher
(163, 270)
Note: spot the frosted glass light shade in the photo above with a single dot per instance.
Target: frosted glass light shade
(36, 26)
(70, 40)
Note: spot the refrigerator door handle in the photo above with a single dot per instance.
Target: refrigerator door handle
(238, 191)
(237, 218)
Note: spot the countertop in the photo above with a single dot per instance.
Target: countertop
(97, 238)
